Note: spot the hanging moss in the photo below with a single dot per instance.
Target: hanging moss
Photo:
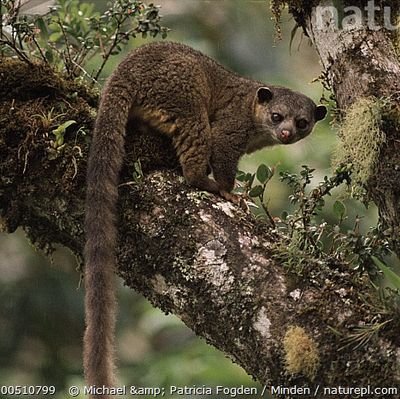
(361, 138)
(298, 8)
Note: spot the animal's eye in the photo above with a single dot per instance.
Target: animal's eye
(276, 118)
(302, 124)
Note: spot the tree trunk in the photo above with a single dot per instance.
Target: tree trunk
(363, 63)
(190, 253)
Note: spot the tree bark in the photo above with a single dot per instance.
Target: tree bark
(190, 253)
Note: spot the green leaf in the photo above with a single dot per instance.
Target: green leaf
(250, 178)
(392, 277)
(241, 176)
(292, 36)
(44, 33)
(339, 209)
(49, 56)
(60, 131)
(54, 37)
(256, 191)
(66, 125)
(264, 174)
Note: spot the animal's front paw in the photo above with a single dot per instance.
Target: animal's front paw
(236, 199)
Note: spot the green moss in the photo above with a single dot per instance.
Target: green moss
(35, 101)
(361, 138)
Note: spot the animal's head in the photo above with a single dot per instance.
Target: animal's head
(285, 114)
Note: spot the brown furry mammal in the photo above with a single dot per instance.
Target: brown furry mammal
(213, 117)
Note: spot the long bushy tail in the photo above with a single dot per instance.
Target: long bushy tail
(105, 161)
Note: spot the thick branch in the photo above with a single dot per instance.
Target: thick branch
(190, 253)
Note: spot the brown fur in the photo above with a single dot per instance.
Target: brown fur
(212, 115)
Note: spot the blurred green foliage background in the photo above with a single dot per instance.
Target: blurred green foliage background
(41, 312)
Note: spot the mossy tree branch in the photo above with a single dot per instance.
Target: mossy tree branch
(189, 253)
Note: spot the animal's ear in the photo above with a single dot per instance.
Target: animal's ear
(264, 95)
(320, 112)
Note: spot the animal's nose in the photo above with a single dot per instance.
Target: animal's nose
(285, 135)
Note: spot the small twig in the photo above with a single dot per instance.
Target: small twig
(40, 50)
(80, 56)
(111, 48)
(85, 72)
(68, 58)
(270, 218)
(107, 55)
